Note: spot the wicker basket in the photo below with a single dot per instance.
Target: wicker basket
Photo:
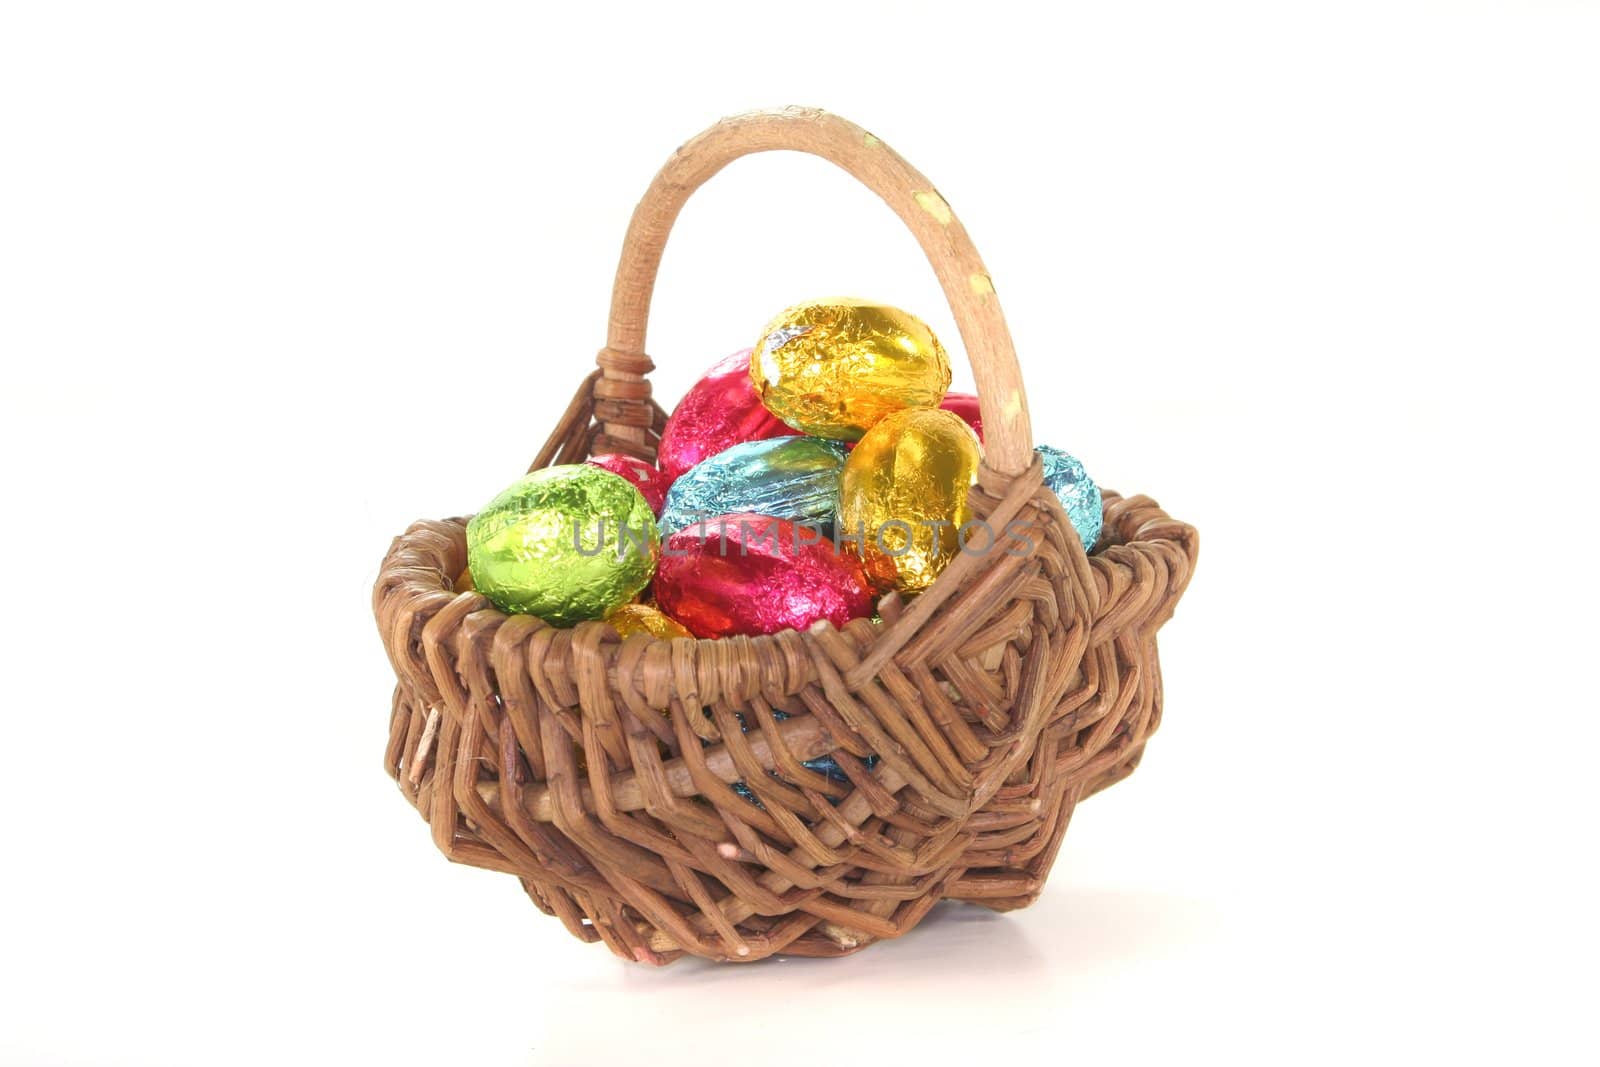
(1022, 681)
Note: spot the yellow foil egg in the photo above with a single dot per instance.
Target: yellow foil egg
(833, 368)
(644, 619)
(903, 496)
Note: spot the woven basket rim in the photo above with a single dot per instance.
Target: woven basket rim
(1178, 534)
(772, 648)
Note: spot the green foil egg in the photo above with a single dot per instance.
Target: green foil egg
(564, 543)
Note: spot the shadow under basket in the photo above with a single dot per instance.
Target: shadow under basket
(656, 795)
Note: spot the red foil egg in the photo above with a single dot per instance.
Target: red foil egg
(965, 405)
(718, 411)
(641, 475)
(754, 574)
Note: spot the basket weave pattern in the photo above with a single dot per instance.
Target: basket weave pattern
(600, 770)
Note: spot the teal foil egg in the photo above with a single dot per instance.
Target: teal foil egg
(794, 478)
(1077, 492)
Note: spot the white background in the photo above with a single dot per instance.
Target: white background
(277, 279)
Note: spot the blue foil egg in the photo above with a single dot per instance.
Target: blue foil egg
(1077, 492)
(822, 764)
(794, 478)
(829, 766)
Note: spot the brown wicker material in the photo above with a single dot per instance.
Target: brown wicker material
(1018, 684)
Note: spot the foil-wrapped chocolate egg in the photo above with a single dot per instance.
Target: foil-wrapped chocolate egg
(1077, 492)
(718, 411)
(643, 476)
(795, 478)
(564, 543)
(965, 405)
(903, 496)
(833, 368)
(754, 574)
(644, 619)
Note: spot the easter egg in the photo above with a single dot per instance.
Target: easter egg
(1078, 494)
(719, 410)
(965, 405)
(644, 619)
(829, 766)
(903, 496)
(643, 476)
(833, 368)
(795, 478)
(754, 574)
(564, 543)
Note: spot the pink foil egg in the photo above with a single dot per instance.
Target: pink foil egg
(965, 405)
(643, 476)
(754, 574)
(719, 411)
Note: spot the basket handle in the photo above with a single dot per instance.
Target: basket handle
(623, 364)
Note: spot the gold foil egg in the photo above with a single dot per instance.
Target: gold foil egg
(644, 619)
(903, 496)
(833, 368)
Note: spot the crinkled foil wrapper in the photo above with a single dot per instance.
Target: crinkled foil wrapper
(645, 477)
(903, 496)
(795, 478)
(833, 368)
(644, 619)
(564, 543)
(719, 411)
(829, 766)
(754, 574)
(822, 765)
(1078, 494)
(965, 405)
